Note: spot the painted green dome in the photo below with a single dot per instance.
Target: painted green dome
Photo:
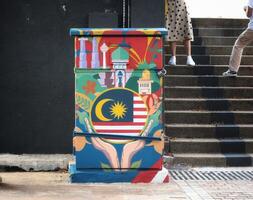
(120, 54)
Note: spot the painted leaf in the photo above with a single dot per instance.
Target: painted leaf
(96, 76)
(136, 164)
(81, 116)
(83, 101)
(158, 145)
(106, 167)
(79, 142)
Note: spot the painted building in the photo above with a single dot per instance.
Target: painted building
(120, 59)
(145, 83)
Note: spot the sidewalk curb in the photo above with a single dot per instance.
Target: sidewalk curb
(45, 162)
(34, 162)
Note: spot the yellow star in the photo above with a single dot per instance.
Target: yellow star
(118, 110)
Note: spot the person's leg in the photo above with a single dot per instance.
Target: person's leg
(173, 46)
(243, 40)
(187, 45)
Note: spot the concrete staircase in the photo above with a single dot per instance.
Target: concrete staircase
(209, 118)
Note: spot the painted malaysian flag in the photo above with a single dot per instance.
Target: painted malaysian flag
(119, 112)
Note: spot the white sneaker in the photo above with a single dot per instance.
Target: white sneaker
(190, 61)
(229, 73)
(173, 61)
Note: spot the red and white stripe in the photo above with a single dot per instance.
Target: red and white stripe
(133, 128)
(156, 174)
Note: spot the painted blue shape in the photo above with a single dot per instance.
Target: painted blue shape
(120, 75)
(100, 176)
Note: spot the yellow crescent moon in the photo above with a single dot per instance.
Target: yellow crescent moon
(99, 112)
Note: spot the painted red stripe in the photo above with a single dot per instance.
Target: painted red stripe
(148, 175)
(140, 109)
(117, 131)
(119, 123)
(138, 102)
(167, 179)
(140, 116)
(145, 177)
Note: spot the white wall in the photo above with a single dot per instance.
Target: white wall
(217, 8)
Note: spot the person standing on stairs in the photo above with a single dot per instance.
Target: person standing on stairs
(179, 25)
(242, 41)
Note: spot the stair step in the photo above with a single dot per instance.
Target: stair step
(208, 80)
(209, 130)
(218, 31)
(210, 50)
(187, 145)
(215, 160)
(245, 70)
(208, 104)
(208, 92)
(219, 23)
(211, 59)
(208, 117)
(214, 40)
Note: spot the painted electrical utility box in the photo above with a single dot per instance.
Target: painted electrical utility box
(118, 134)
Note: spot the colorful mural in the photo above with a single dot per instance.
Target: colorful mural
(118, 108)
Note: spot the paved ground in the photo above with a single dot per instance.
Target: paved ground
(54, 185)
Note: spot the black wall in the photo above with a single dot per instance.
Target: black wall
(147, 13)
(36, 74)
(37, 80)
